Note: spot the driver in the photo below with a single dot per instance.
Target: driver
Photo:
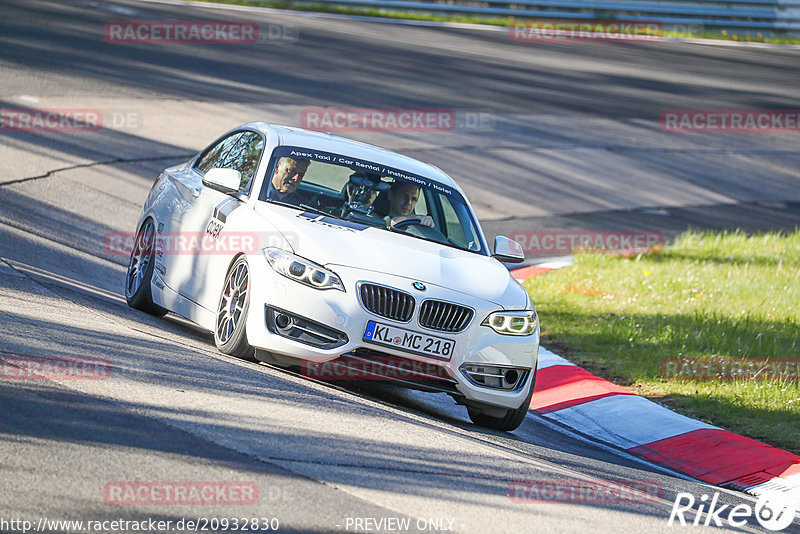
(403, 198)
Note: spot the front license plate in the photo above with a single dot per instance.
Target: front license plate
(408, 340)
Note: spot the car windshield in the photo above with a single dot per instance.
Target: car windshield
(370, 194)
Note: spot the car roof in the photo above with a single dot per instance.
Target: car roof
(291, 136)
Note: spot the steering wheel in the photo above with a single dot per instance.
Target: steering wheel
(407, 222)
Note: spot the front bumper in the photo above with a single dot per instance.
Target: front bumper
(343, 319)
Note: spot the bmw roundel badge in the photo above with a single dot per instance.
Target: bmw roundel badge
(419, 285)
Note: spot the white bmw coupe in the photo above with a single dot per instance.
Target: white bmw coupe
(349, 261)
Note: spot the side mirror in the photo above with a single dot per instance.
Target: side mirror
(507, 250)
(225, 180)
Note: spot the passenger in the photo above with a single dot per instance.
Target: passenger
(288, 174)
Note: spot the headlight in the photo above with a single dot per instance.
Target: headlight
(302, 270)
(512, 323)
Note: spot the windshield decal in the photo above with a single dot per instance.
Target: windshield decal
(359, 164)
(332, 222)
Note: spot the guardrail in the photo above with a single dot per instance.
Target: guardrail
(769, 17)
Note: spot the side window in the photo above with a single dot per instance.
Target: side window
(244, 157)
(452, 223)
(422, 204)
(458, 225)
(241, 151)
(214, 156)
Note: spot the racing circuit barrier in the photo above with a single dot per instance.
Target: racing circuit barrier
(770, 18)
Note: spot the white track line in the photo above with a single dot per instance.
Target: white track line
(626, 421)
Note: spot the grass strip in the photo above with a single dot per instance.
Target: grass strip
(728, 35)
(654, 321)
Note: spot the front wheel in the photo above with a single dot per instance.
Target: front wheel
(234, 302)
(138, 291)
(505, 423)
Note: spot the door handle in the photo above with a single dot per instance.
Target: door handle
(196, 192)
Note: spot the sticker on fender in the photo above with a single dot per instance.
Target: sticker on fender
(399, 338)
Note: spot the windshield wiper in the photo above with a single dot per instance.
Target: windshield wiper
(317, 211)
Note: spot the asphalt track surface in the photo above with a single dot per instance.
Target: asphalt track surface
(573, 141)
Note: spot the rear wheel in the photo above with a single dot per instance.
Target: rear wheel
(505, 423)
(234, 302)
(138, 291)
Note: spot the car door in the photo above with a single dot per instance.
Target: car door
(188, 183)
(206, 219)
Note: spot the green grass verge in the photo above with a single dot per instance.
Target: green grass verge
(749, 36)
(367, 11)
(708, 296)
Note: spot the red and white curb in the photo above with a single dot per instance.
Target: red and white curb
(524, 273)
(574, 397)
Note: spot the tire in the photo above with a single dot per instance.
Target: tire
(234, 302)
(138, 278)
(507, 423)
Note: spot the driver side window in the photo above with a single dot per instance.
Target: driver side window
(244, 157)
(214, 156)
(241, 151)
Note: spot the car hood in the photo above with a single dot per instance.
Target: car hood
(330, 242)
